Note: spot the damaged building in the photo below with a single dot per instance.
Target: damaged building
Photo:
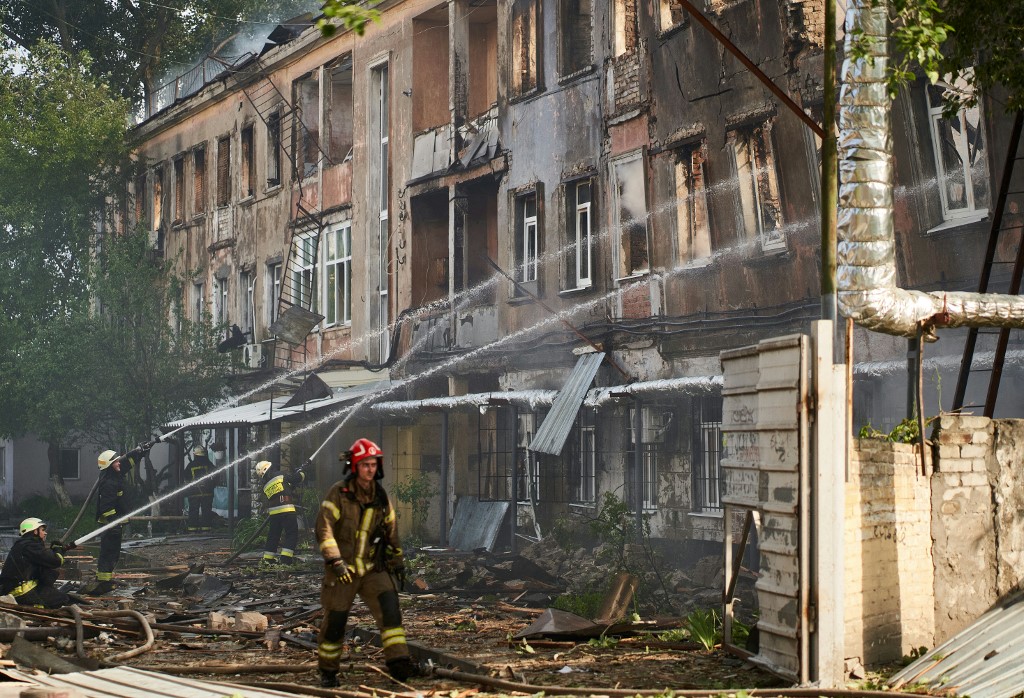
(533, 225)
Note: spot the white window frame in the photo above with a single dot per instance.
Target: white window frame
(247, 302)
(583, 240)
(337, 276)
(274, 272)
(198, 301)
(220, 301)
(303, 281)
(963, 149)
(380, 120)
(528, 272)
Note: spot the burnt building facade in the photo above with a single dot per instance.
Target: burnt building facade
(477, 195)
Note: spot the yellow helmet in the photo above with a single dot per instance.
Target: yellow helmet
(262, 467)
(30, 524)
(105, 459)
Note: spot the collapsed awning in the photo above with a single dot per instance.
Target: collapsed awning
(554, 430)
(270, 410)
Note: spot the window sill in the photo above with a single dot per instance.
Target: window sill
(767, 258)
(706, 514)
(198, 216)
(565, 293)
(247, 201)
(588, 506)
(520, 300)
(273, 188)
(965, 224)
(576, 75)
(526, 96)
(632, 277)
(668, 32)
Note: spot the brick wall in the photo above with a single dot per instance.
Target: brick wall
(626, 71)
(888, 600)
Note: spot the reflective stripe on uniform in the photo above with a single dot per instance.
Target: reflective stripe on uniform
(274, 486)
(329, 650)
(392, 637)
(282, 509)
(327, 543)
(361, 536)
(331, 508)
(108, 513)
(24, 587)
(287, 552)
(104, 576)
(390, 517)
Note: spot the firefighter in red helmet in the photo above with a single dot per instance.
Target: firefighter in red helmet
(357, 532)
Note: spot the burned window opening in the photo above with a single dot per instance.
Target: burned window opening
(693, 229)
(307, 101)
(576, 17)
(760, 209)
(525, 42)
(670, 14)
(626, 29)
(199, 180)
(248, 173)
(274, 150)
(223, 171)
(178, 213)
(339, 112)
(631, 218)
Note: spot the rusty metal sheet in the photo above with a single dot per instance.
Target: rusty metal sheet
(556, 623)
(985, 660)
(126, 682)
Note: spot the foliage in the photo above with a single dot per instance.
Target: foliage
(243, 529)
(674, 635)
(615, 524)
(705, 627)
(57, 518)
(354, 15)
(135, 46)
(979, 41)
(417, 491)
(740, 632)
(605, 642)
(585, 605)
(906, 432)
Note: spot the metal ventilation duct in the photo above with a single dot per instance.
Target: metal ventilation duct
(866, 255)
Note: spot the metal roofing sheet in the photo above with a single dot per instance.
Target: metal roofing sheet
(985, 660)
(476, 524)
(126, 682)
(554, 430)
(268, 410)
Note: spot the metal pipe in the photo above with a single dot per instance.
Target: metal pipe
(443, 540)
(146, 629)
(804, 513)
(866, 249)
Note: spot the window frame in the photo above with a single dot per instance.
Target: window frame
(707, 457)
(526, 43)
(694, 244)
(178, 199)
(247, 168)
(247, 303)
(199, 180)
(274, 275)
(757, 164)
(971, 212)
(337, 257)
(64, 453)
(198, 301)
(527, 239)
(577, 248)
(274, 148)
(569, 32)
(223, 192)
(623, 269)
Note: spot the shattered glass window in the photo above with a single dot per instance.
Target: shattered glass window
(961, 164)
(757, 182)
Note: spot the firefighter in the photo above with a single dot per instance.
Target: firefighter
(110, 506)
(279, 500)
(31, 568)
(358, 537)
(200, 495)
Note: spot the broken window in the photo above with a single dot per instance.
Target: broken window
(527, 239)
(625, 26)
(69, 464)
(307, 100)
(199, 180)
(525, 61)
(158, 198)
(198, 302)
(273, 287)
(629, 187)
(140, 201)
(338, 276)
(961, 163)
(274, 149)
(693, 234)
(248, 183)
(670, 13)
(339, 112)
(178, 213)
(220, 302)
(579, 245)
(760, 211)
(224, 171)
(576, 42)
(304, 275)
(247, 303)
(707, 455)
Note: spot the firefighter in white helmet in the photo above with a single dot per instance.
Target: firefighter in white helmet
(279, 497)
(110, 506)
(31, 568)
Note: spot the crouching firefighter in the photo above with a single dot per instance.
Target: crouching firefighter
(279, 500)
(31, 568)
(358, 537)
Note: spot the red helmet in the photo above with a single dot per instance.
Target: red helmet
(360, 451)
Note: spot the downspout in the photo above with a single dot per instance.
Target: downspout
(866, 256)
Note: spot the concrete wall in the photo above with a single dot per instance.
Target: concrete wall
(889, 600)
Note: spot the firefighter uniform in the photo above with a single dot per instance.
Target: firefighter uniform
(279, 499)
(31, 568)
(110, 505)
(357, 534)
(200, 496)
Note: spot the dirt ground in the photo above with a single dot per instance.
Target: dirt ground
(465, 617)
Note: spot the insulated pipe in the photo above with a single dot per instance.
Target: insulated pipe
(866, 254)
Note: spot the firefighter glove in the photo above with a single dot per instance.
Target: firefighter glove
(342, 571)
(57, 547)
(399, 572)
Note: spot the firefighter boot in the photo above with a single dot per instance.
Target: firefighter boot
(328, 679)
(402, 668)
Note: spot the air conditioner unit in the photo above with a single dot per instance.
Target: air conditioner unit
(252, 355)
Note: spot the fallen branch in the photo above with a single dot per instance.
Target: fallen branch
(229, 668)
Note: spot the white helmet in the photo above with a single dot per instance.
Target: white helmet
(262, 467)
(198, 451)
(30, 524)
(105, 459)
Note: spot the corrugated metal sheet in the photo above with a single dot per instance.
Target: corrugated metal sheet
(522, 398)
(126, 682)
(476, 523)
(266, 410)
(985, 660)
(552, 433)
